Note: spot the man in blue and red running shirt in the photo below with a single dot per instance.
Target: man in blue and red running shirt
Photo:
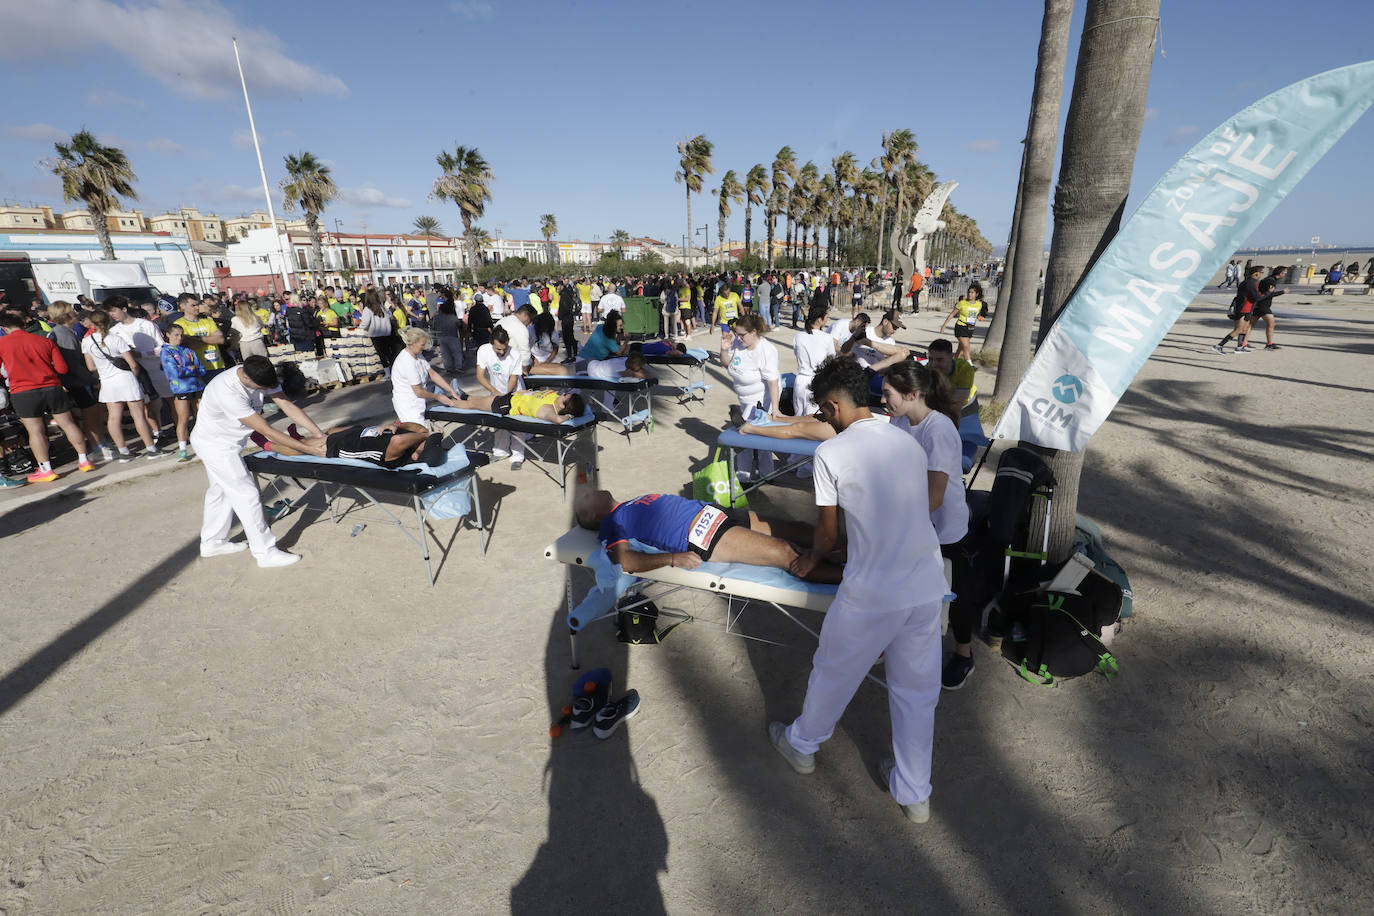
(689, 532)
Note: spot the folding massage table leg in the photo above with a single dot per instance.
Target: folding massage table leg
(736, 490)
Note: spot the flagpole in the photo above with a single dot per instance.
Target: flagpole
(271, 214)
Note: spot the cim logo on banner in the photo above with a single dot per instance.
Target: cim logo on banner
(1067, 389)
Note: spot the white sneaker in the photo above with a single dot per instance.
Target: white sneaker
(154, 455)
(805, 764)
(220, 548)
(499, 454)
(918, 813)
(107, 453)
(275, 557)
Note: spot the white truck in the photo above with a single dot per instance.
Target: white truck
(98, 280)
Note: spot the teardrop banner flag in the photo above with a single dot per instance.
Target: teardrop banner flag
(1185, 229)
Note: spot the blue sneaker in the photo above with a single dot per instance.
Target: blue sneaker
(609, 717)
(6, 483)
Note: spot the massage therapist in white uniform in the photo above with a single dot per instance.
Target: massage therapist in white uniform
(230, 410)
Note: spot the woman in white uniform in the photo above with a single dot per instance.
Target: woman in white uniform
(753, 366)
(812, 347)
(119, 387)
(410, 374)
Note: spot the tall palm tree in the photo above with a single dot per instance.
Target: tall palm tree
(1101, 134)
(808, 182)
(784, 170)
(868, 187)
(843, 172)
(428, 226)
(548, 227)
(730, 190)
(309, 186)
(618, 238)
(95, 175)
(465, 179)
(755, 183)
(817, 208)
(481, 238)
(1013, 339)
(693, 164)
(899, 151)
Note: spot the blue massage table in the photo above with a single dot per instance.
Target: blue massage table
(690, 367)
(563, 437)
(447, 491)
(739, 583)
(633, 405)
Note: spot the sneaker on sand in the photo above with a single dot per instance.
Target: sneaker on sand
(499, 454)
(8, 482)
(124, 457)
(609, 717)
(153, 454)
(1271, 346)
(918, 813)
(107, 453)
(1218, 348)
(956, 672)
(221, 549)
(183, 455)
(86, 466)
(805, 764)
(1244, 349)
(517, 463)
(274, 558)
(41, 476)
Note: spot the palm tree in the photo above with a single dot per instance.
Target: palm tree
(465, 179)
(428, 226)
(755, 183)
(694, 163)
(808, 182)
(730, 190)
(309, 186)
(844, 171)
(1101, 134)
(1011, 336)
(784, 169)
(899, 151)
(480, 240)
(95, 175)
(548, 227)
(867, 187)
(618, 238)
(817, 208)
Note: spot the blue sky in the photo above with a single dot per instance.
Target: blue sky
(578, 106)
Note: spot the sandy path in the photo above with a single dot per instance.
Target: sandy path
(179, 735)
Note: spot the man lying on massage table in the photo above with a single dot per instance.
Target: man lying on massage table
(620, 368)
(548, 404)
(690, 532)
(389, 445)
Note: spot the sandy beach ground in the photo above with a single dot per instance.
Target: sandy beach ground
(181, 735)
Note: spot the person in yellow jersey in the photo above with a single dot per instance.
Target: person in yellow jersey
(726, 310)
(968, 309)
(200, 333)
(551, 406)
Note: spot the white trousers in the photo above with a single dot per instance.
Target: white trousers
(851, 641)
(748, 458)
(232, 492)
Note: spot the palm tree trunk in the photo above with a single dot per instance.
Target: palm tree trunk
(312, 225)
(1101, 134)
(992, 343)
(748, 225)
(686, 246)
(882, 218)
(102, 232)
(769, 217)
(1042, 139)
(471, 244)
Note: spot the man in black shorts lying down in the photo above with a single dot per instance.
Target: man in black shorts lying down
(691, 532)
(389, 445)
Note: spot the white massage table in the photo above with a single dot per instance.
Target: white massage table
(632, 404)
(690, 368)
(562, 436)
(733, 581)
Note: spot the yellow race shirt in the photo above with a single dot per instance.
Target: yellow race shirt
(203, 327)
(968, 313)
(726, 306)
(527, 403)
(584, 292)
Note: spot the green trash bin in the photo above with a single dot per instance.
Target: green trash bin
(641, 315)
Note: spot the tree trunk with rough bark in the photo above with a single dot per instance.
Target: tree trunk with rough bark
(102, 232)
(1101, 134)
(992, 343)
(1042, 138)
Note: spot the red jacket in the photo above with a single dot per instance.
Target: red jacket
(31, 361)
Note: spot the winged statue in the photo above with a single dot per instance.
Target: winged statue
(909, 245)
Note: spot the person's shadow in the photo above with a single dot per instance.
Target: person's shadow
(606, 842)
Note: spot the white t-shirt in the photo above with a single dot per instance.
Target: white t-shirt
(877, 475)
(840, 331)
(608, 369)
(496, 304)
(867, 356)
(939, 439)
(612, 302)
(143, 337)
(247, 332)
(541, 348)
(751, 369)
(500, 370)
(224, 402)
(407, 372)
(519, 336)
(114, 345)
(811, 349)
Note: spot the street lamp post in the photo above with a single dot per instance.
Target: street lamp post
(190, 271)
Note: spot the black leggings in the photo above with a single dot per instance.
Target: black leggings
(963, 615)
(570, 340)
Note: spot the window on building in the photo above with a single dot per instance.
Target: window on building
(300, 259)
(153, 265)
(362, 262)
(343, 258)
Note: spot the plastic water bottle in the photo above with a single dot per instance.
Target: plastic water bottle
(357, 530)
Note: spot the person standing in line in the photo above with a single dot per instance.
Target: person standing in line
(812, 348)
(201, 333)
(888, 603)
(375, 321)
(765, 294)
(752, 362)
(447, 333)
(109, 355)
(35, 368)
(231, 410)
(247, 324)
(78, 381)
(145, 344)
(187, 377)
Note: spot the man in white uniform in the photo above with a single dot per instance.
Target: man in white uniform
(889, 598)
(517, 326)
(230, 410)
(611, 302)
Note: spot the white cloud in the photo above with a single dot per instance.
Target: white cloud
(190, 41)
(472, 9)
(242, 138)
(38, 133)
(369, 196)
(984, 145)
(1181, 133)
(239, 192)
(1151, 114)
(165, 145)
(108, 98)
(116, 140)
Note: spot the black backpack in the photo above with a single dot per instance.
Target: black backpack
(636, 624)
(1058, 635)
(18, 462)
(1234, 311)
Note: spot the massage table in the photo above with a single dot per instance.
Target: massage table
(736, 582)
(632, 405)
(690, 367)
(538, 432)
(447, 491)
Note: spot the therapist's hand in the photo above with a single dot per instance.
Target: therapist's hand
(801, 567)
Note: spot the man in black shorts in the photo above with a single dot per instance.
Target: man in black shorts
(35, 368)
(389, 445)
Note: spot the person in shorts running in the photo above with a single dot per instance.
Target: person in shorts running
(1241, 311)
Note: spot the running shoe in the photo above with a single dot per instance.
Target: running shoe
(610, 716)
(86, 466)
(8, 482)
(220, 548)
(498, 454)
(107, 453)
(153, 454)
(276, 558)
(517, 463)
(1244, 349)
(956, 672)
(1218, 348)
(805, 764)
(1271, 346)
(183, 455)
(124, 457)
(918, 813)
(41, 476)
